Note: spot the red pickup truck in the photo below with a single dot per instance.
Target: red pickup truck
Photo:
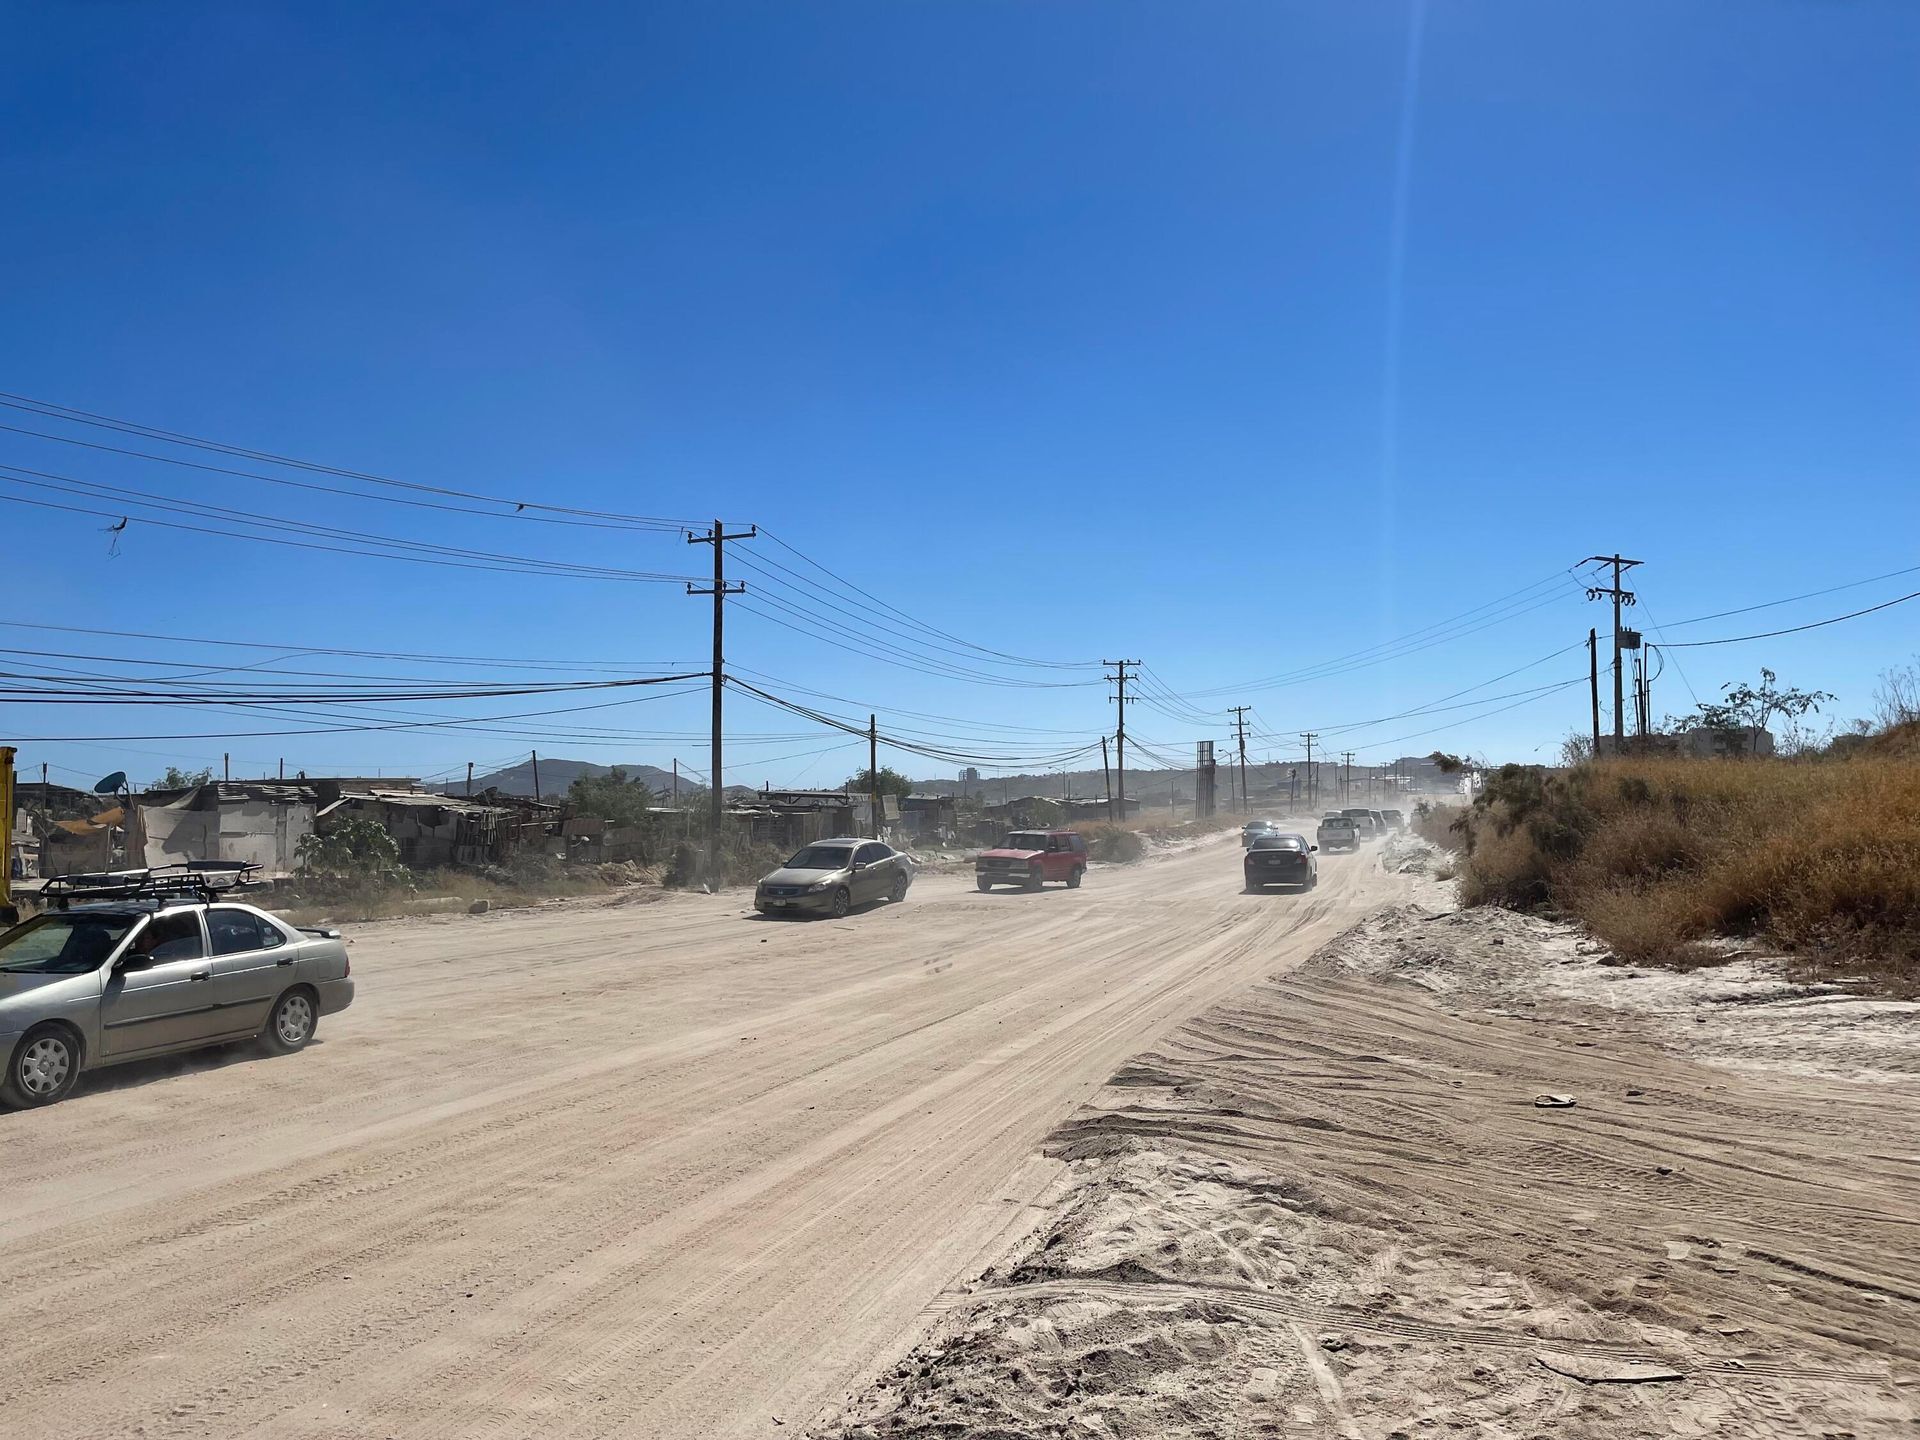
(1033, 857)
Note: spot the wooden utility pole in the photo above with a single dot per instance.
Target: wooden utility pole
(1620, 597)
(536, 777)
(469, 779)
(1593, 682)
(873, 769)
(1309, 736)
(718, 538)
(1120, 678)
(1239, 713)
(1108, 771)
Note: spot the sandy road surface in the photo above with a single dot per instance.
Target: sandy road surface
(1329, 1207)
(655, 1169)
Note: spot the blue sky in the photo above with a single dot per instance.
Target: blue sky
(1192, 333)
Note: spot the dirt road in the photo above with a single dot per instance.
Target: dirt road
(654, 1169)
(1332, 1206)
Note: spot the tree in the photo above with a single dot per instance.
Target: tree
(352, 849)
(1576, 749)
(178, 779)
(892, 782)
(1747, 710)
(614, 797)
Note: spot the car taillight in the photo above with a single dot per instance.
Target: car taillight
(349, 970)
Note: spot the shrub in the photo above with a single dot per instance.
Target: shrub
(1657, 854)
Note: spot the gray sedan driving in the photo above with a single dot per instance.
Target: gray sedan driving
(104, 983)
(830, 877)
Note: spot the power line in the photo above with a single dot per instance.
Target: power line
(71, 415)
(420, 550)
(1793, 630)
(668, 526)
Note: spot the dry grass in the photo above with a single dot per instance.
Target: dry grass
(1658, 855)
(442, 892)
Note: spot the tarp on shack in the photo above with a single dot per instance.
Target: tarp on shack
(217, 822)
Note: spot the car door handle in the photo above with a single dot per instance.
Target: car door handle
(200, 975)
(284, 960)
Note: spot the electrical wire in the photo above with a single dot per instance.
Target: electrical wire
(71, 415)
(1792, 630)
(417, 551)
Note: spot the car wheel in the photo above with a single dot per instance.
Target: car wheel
(291, 1022)
(44, 1067)
(1075, 876)
(842, 903)
(899, 891)
(984, 884)
(1035, 878)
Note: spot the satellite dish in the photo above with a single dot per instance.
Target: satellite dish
(113, 784)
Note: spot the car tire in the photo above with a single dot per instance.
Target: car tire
(292, 1022)
(1036, 877)
(899, 890)
(1075, 876)
(43, 1069)
(842, 902)
(983, 884)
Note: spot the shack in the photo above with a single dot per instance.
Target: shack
(256, 822)
(432, 831)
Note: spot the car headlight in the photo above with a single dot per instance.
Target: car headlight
(820, 885)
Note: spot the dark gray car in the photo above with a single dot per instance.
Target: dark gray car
(831, 877)
(103, 983)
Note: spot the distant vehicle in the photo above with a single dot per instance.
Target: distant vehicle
(1031, 858)
(1380, 826)
(1396, 820)
(1254, 828)
(1280, 859)
(140, 963)
(1364, 823)
(830, 877)
(1337, 832)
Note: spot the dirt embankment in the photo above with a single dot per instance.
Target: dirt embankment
(1337, 1205)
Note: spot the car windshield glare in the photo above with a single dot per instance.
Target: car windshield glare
(62, 944)
(1279, 842)
(822, 857)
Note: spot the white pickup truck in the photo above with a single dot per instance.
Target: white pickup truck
(1337, 832)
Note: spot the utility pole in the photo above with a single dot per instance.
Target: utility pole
(718, 538)
(536, 777)
(469, 779)
(1108, 770)
(873, 769)
(1620, 597)
(1239, 713)
(1310, 737)
(1120, 678)
(1346, 777)
(1593, 683)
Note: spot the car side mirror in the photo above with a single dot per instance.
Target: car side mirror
(855, 866)
(131, 962)
(1313, 847)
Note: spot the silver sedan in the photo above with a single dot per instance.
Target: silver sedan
(102, 984)
(830, 877)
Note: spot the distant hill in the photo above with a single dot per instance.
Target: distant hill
(558, 773)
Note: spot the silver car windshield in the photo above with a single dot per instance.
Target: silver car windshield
(62, 944)
(821, 857)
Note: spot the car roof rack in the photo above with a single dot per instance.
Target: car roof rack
(199, 880)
